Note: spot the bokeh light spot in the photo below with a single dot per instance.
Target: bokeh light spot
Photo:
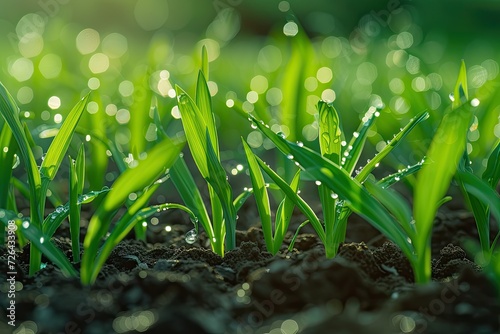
(92, 107)
(274, 96)
(114, 45)
(290, 29)
(25, 95)
(311, 84)
(31, 45)
(50, 66)
(259, 84)
(404, 40)
(122, 116)
(324, 75)
(284, 6)
(99, 63)
(54, 102)
(397, 86)
(94, 83)
(21, 69)
(87, 41)
(269, 58)
(328, 95)
(255, 139)
(126, 88)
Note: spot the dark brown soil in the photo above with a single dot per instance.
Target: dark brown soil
(171, 287)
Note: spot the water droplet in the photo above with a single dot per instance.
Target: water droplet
(335, 196)
(397, 178)
(300, 144)
(318, 183)
(16, 161)
(289, 157)
(42, 240)
(355, 134)
(281, 134)
(191, 236)
(452, 97)
(253, 126)
(59, 209)
(26, 224)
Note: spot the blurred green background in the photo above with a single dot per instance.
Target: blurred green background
(273, 58)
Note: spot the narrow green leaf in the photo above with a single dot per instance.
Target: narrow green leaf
(389, 180)
(368, 168)
(433, 180)
(492, 172)
(158, 159)
(74, 210)
(204, 61)
(241, 199)
(10, 112)
(357, 143)
(329, 132)
(481, 189)
(284, 215)
(190, 195)
(219, 181)
(395, 204)
(7, 157)
(61, 142)
(297, 200)
(460, 93)
(261, 197)
(204, 103)
(194, 127)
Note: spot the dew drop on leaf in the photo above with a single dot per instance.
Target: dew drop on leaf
(191, 236)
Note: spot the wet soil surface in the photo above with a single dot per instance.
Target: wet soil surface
(168, 286)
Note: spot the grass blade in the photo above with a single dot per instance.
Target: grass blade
(446, 149)
(6, 163)
(355, 146)
(297, 200)
(261, 196)
(492, 172)
(368, 168)
(284, 215)
(158, 159)
(190, 195)
(59, 146)
(481, 189)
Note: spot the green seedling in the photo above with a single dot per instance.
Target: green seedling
(38, 178)
(478, 193)
(138, 183)
(201, 134)
(273, 234)
(336, 154)
(445, 151)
